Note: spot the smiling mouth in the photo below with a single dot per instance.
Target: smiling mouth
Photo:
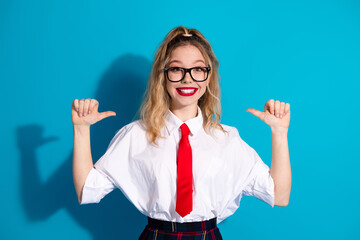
(188, 91)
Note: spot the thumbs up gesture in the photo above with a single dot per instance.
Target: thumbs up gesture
(85, 112)
(276, 114)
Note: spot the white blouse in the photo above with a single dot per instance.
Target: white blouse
(224, 168)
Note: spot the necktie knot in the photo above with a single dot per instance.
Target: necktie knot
(184, 130)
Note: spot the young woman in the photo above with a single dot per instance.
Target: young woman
(178, 165)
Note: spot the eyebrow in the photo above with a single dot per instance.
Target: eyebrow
(180, 61)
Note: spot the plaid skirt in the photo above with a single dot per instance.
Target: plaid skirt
(164, 230)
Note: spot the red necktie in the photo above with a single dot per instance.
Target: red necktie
(184, 174)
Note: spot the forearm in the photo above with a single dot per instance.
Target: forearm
(82, 159)
(280, 166)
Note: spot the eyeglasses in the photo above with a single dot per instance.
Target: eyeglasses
(177, 74)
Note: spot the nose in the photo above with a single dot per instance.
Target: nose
(187, 77)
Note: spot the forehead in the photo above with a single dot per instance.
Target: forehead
(186, 53)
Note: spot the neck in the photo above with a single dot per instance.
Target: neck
(185, 113)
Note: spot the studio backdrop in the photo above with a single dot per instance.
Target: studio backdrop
(306, 53)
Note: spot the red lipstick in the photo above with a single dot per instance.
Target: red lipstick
(186, 91)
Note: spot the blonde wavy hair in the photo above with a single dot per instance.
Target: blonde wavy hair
(156, 103)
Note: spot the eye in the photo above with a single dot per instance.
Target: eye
(174, 69)
(199, 69)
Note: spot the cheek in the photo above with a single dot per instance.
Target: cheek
(203, 88)
(170, 89)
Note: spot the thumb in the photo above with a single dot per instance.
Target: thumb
(255, 112)
(106, 114)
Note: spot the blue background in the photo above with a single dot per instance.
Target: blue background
(304, 52)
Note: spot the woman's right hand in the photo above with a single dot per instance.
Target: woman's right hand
(85, 112)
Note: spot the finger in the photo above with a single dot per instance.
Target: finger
(106, 114)
(93, 106)
(76, 104)
(282, 109)
(277, 108)
(86, 106)
(81, 107)
(287, 108)
(257, 113)
(270, 105)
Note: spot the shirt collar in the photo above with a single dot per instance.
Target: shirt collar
(173, 122)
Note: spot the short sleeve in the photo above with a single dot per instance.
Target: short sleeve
(112, 170)
(258, 182)
(97, 185)
(253, 174)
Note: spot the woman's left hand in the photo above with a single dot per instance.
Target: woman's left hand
(276, 114)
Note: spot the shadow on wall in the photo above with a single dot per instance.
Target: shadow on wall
(121, 90)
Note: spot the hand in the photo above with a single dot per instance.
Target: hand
(276, 114)
(85, 112)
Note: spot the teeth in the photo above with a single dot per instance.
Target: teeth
(187, 90)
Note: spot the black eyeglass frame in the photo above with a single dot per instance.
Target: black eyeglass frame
(189, 71)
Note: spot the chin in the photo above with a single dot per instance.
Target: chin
(184, 103)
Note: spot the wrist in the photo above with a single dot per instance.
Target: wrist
(81, 128)
(279, 131)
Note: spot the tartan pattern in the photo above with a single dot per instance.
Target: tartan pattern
(163, 230)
